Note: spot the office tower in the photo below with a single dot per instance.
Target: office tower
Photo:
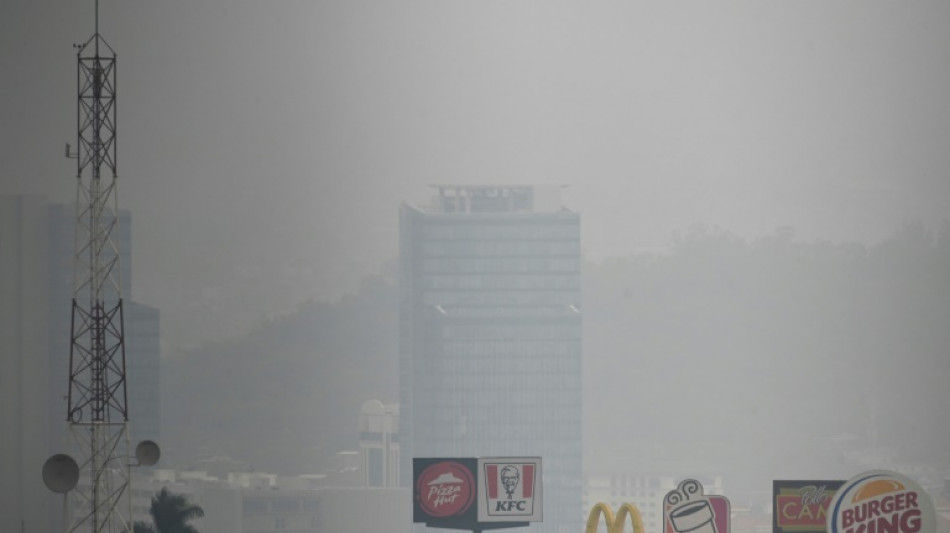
(24, 346)
(490, 335)
(36, 275)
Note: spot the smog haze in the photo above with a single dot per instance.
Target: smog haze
(763, 189)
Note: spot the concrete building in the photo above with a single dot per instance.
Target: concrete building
(24, 347)
(379, 444)
(490, 335)
(36, 289)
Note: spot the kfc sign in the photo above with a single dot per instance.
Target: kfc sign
(509, 489)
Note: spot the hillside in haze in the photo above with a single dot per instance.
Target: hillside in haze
(772, 358)
(286, 396)
(762, 359)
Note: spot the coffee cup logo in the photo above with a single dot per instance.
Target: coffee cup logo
(688, 510)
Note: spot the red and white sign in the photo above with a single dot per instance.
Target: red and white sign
(445, 489)
(880, 501)
(509, 489)
(687, 509)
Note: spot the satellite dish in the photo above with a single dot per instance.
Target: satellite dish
(147, 453)
(60, 473)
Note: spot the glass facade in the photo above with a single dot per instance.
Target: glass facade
(490, 344)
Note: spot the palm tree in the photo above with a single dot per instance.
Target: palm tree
(171, 514)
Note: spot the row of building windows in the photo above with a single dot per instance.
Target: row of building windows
(448, 303)
(532, 404)
(506, 282)
(494, 265)
(508, 391)
(549, 229)
(274, 505)
(523, 355)
(507, 440)
(481, 332)
(558, 310)
(463, 248)
(459, 374)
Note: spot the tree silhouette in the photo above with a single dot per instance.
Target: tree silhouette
(170, 514)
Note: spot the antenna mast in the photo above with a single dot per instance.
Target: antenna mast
(97, 413)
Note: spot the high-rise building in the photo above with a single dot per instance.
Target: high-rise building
(24, 345)
(490, 335)
(36, 286)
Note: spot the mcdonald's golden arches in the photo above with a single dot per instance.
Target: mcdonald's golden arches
(614, 523)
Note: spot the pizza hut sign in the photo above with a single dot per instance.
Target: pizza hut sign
(469, 493)
(444, 489)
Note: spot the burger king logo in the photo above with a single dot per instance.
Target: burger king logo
(881, 502)
(445, 489)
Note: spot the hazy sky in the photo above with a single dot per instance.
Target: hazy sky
(269, 143)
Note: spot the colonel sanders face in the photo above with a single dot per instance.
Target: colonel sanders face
(509, 479)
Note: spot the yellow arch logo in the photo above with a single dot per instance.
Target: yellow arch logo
(614, 523)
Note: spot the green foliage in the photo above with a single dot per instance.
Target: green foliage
(170, 514)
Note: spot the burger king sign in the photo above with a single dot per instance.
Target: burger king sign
(880, 501)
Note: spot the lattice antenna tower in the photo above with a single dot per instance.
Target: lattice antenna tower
(97, 412)
(97, 408)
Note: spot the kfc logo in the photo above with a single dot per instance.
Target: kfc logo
(510, 489)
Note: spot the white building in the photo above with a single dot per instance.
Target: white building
(379, 444)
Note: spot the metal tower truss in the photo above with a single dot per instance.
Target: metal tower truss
(97, 411)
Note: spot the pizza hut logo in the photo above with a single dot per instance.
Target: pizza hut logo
(445, 489)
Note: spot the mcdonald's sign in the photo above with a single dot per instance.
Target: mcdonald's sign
(616, 522)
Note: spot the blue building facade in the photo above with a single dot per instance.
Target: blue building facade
(490, 335)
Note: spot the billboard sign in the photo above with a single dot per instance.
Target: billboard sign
(687, 509)
(509, 489)
(614, 522)
(802, 506)
(881, 501)
(444, 490)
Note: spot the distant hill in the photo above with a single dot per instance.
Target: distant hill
(770, 357)
(748, 359)
(285, 397)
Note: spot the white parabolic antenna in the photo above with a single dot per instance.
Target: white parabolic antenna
(147, 453)
(60, 473)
